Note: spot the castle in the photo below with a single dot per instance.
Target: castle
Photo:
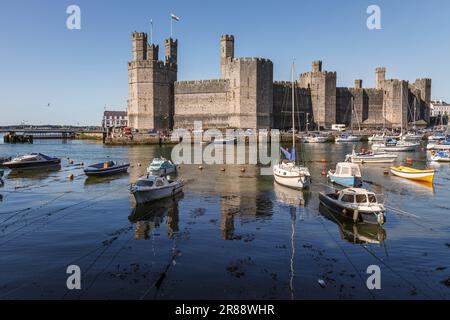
(246, 96)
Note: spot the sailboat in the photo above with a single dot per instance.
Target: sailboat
(413, 135)
(349, 137)
(287, 172)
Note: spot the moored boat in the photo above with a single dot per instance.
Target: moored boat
(437, 136)
(357, 204)
(315, 138)
(442, 145)
(161, 166)
(149, 188)
(371, 157)
(347, 138)
(381, 137)
(32, 161)
(440, 156)
(426, 175)
(394, 145)
(347, 174)
(106, 168)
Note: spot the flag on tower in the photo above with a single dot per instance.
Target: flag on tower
(174, 17)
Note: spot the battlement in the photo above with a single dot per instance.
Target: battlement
(227, 37)
(253, 59)
(139, 35)
(202, 82)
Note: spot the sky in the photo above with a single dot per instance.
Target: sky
(80, 72)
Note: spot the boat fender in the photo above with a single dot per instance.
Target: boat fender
(344, 211)
(380, 218)
(355, 215)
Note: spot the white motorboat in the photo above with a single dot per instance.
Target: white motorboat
(357, 204)
(412, 136)
(161, 166)
(371, 157)
(440, 156)
(346, 137)
(394, 145)
(287, 172)
(437, 136)
(315, 138)
(381, 137)
(442, 145)
(346, 174)
(149, 188)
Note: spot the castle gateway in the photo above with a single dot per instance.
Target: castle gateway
(246, 96)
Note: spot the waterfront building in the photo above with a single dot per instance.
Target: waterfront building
(114, 119)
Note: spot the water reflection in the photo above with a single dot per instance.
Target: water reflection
(357, 233)
(38, 173)
(290, 197)
(107, 179)
(149, 216)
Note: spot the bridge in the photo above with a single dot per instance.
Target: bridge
(50, 129)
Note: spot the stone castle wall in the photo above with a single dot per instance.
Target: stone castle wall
(246, 96)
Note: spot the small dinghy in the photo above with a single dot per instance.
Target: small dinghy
(32, 161)
(347, 138)
(106, 168)
(150, 188)
(413, 174)
(440, 156)
(347, 174)
(161, 166)
(371, 157)
(357, 204)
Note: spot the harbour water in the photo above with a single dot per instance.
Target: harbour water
(231, 235)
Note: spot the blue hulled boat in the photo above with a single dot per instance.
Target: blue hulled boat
(106, 169)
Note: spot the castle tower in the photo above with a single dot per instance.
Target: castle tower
(226, 54)
(380, 76)
(322, 88)
(358, 84)
(424, 86)
(139, 45)
(151, 84)
(171, 51)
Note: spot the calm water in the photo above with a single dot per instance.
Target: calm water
(231, 235)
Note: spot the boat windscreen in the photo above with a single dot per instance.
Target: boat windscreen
(348, 198)
(145, 183)
(372, 198)
(361, 198)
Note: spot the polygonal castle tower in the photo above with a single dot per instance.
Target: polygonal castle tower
(151, 84)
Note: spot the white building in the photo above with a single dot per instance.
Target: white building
(439, 108)
(114, 119)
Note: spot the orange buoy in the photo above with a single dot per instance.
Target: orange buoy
(200, 167)
(386, 172)
(70, 176)
(409, 161)
(222, 169)
(242, 169)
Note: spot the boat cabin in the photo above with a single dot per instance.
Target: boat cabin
(347, 169)
(357, 195)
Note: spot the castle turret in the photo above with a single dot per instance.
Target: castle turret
(171, 51)
(153, 52)
(358, 84)
(226, 54)
(139, 44)
(380, 76)
(317, 66)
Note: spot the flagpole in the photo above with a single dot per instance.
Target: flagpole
(151, 31)
(171, 26)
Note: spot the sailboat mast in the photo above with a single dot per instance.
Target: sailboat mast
(293, 107)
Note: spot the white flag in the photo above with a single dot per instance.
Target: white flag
(174, 17)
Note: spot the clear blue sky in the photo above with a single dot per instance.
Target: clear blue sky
(80, 71)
